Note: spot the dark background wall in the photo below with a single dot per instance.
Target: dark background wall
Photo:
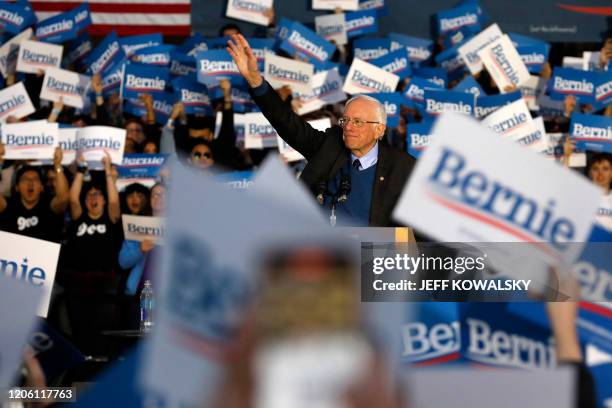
(544, 19)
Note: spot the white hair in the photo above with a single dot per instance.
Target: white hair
(381, 113)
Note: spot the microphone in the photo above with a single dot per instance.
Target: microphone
(344, 189)
(321, 191)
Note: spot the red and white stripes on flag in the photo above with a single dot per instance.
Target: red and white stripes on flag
(127, 17)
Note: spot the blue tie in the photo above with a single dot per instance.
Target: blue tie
(356, 164)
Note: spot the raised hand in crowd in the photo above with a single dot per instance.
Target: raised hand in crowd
(178, 112)
(226, 87)
(11, 119)
(146, 246)
(110, 173)
(58, 106)
(284, 92)
(569, 146)
(605, 54)
(59, 203)
(245, 60)
(96, 86)
(546, 71)
(569, 105)
(269, 13)
(10, 79)
(147, 100)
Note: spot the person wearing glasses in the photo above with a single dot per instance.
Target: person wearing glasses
(351, 151)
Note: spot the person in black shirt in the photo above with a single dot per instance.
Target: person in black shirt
(30, 212)
(89, 262)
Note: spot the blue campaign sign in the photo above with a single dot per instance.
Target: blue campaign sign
(214, 65)
(192, 45)
(162, 107)
(396, 62)
(106, 55)
(303, 42)
(283, 28)
(436, 75)
(392, 102)
(419, 50)
(569, 81)
(112, 78)
(182, 64)
(193, 95)
(433, 336)
(603, 89)
(470, 85)
(520, 40)
(237, 180)
(415, 90)
(57, 29)
(490, 103)
(361, 22)
(527, 344)
(452, 62)
(369, 49)
(380, 6)
(54, 353)
(140, 79)
(591, 132)
(76, 51)
(467, 15)
(134, 43)
(419, 137)
(16, 17)
(141, 166)
(242, 101)
(440, 101)
(158, 55)
(534, 56)
(260, 46)
(459, 37)
(82, 17)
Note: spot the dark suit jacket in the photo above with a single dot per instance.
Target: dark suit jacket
(326, 155)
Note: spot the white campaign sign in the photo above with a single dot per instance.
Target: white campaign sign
(30, 140)
(258, 132)
(289, 153)
(537, 139)
(9, 52)
(326, 89)
(470, 189)
(18, 302)
(469, 50)
(333, 4)
(67, 140)
(94, 141)
(280, 71)
(32, 261)
(15, 101)
(70, 87)
(364, 77)
(332, 27)
(572, 62)
(511, 121)
(35, 56)
(504, 63)
(531, 91)
(249, 10)
(139, 228)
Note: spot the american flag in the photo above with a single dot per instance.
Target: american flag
(127, 17)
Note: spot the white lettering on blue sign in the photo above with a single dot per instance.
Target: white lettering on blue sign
(248, 6)
(533, 59)
(360, 23)
(143, 161)
(152, 59)
(10, 17)
(130, 49)
(370, 53)
(568, 85)
(436, 107)
(300, 42)
(451, 24)
(135, 82)
(421, 344)
(453, 181)
(106, 57)
(603, 91)
(418, 141)
(55, 28)
(189, 97)
(218, 67)
(590, 132)
(398, 64)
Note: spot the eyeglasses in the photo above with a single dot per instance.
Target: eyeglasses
(199, 155)
(344, 121)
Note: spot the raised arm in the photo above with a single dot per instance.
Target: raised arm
(114, 209)
(60, 201)
(289, 126)
(75, 191)
(2, 199)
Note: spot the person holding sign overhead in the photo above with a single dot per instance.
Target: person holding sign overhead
(347, 168)
(90, 259)
(30, 211)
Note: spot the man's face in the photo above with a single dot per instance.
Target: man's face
(360, 139)
(201, 156)
(205, 133)
(601, 173)
(30, 187)
(134, 132)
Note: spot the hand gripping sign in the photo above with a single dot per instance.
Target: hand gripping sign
(94, 141)
(15, 101)
(30, 140)
(367, 78)
(253, 11)
(69, 87)
(504, 63)
(469, 189)
(35, 56)
(139, 228)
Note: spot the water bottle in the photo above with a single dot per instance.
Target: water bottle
(147, 304)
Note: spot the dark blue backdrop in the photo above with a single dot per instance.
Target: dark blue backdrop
(545, 19)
